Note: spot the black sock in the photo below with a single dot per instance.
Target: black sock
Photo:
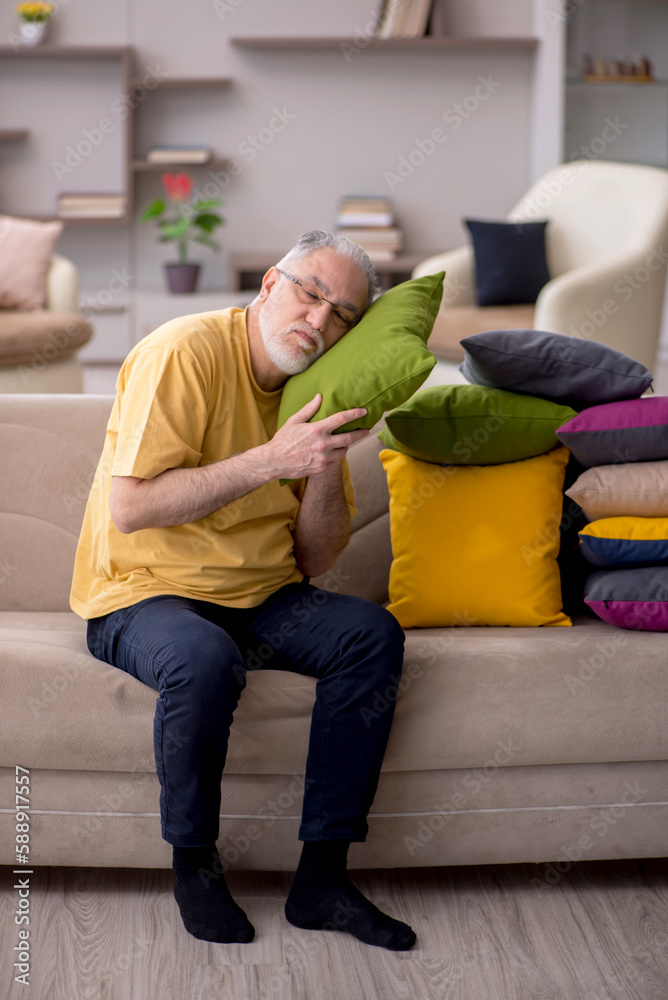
(207, 908)
(323, 898)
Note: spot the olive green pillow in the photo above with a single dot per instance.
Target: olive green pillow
(379, 363)
(473, 425)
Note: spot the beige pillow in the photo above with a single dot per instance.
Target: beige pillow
(632, 489)
(26, 248)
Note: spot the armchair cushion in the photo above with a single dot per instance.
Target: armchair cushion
(510, 261)
(40, 337)
(453, 323)
(26, 247)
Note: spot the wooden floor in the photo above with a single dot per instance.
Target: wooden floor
(597, 931)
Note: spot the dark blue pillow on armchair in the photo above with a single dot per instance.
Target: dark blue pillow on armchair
(510, 261)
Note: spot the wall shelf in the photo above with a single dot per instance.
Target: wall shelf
(66, 51)
(13, 134)
(187, 82)
(436, 42)
(145, 166)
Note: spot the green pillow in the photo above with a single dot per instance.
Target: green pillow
(379, 363)
(473, 425)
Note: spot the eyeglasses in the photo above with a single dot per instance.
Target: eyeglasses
(309, 295)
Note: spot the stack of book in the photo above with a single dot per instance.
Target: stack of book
(369, 221)
(91, 206)
(178, 154)
(403, 18)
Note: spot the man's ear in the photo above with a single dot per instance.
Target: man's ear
(268, 282)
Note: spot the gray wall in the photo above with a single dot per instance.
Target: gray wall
(351, 120)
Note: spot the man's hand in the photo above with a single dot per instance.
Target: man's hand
(300, 449)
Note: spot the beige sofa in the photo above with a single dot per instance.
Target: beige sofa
(509, 745)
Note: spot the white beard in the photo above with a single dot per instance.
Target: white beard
(290, 358)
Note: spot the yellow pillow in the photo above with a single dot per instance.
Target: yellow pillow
(475, 545)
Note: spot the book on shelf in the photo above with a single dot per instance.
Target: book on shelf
(357, 210)
(91, 205)
(380, 244)
(179, 154)
(403, 18)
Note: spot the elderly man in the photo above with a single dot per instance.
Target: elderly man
(192, 555)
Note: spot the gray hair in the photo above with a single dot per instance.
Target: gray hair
(318, 239)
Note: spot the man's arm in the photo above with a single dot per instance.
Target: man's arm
(322, 528)
(177, 496)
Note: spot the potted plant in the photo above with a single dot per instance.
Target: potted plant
(181, 220)
(34, 21)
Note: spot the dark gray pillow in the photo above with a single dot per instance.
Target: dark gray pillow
(567, 370)
(510, 261)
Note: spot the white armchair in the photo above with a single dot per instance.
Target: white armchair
(607, 247)
(62, 285)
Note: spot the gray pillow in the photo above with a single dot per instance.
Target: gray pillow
(567, 370)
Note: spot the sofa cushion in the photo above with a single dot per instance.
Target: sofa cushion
(630, 598)
(37, 338)
(26, 248)
(637, 489)
(42, 499)
(475, 545)
(473, 425)
(510, 261)
(472, 691)
(632, 430)
(567, 370)
(625, 541)
(453, 324)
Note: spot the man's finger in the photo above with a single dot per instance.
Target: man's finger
(349, 437)
(307, 411)
(343, 417)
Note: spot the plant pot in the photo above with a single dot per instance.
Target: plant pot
(33, 32)
(182, 278)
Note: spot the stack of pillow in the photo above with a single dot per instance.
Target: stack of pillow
(624, 496)
(476, 477)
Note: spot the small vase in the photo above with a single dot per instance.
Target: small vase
(181, 278)
(33, 32)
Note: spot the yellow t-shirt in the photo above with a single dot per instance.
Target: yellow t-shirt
(186, 397)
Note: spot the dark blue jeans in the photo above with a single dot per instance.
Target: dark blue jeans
(195, 654)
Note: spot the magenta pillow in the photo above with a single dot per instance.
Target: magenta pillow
(630, 598)
(631, 430)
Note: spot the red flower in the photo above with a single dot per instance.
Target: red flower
(177, 186)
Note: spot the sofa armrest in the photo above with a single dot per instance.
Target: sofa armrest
(459, 285)
(62, 285)
(618, 303)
